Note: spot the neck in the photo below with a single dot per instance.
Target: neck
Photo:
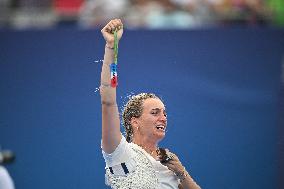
(147, 145)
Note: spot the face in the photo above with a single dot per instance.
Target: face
(153, 121)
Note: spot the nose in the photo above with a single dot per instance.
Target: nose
(163, 118)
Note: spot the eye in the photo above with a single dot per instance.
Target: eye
(165, 114)
(154, 112)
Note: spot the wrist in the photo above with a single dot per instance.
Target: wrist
(182, 175)
(110, 45)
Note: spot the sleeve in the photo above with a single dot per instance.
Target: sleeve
(122, 153)
(6, 181)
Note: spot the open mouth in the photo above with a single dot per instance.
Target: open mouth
(161, 127)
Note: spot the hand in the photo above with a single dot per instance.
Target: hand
(109, 29)
(174, 163)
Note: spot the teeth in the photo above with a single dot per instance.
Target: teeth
(160, 127)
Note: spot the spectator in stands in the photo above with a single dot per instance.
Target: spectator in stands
(32, 14)
(276, 10)
(95, 13)
(242, 12)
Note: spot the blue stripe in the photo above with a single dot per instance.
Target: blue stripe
(110, 168)
(124, 168)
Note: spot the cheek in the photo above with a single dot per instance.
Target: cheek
(149, 120)
(149, 124)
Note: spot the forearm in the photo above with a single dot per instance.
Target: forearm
(108, 94)
(187, 181)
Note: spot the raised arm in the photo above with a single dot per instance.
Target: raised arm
(111, 134)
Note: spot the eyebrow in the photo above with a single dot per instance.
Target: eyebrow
(159, 109)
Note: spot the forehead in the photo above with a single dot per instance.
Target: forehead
(153, 103)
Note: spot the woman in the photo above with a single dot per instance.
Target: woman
(136, 161)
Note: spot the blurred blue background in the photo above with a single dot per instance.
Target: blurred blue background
(221, 88)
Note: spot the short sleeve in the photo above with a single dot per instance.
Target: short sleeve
(5, 179)
(122, 153)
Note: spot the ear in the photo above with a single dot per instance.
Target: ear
(134, 121)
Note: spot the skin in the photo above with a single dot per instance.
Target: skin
(153, 113)
(145, 131)
(111, 134)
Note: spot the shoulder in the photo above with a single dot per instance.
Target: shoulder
(3, 171)
(122, 153)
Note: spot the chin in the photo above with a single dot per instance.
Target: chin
(160, 136)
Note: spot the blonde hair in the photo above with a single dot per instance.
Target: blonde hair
(133, 108)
